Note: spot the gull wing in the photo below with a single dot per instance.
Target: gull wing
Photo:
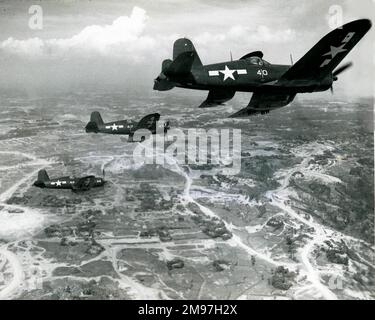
(216, 97)
(326, 55)
(262, 102)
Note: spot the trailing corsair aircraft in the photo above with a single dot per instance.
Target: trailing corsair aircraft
(273, 85)
(125, 127)
(75, 184)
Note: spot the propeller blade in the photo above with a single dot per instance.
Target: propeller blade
(341, 69)
(331, 88)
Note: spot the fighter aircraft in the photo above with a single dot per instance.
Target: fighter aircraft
(75, 184)
(126, 127)
(273, 85)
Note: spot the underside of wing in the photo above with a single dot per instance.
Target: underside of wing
(84, 183)
(149, 122)
(216, 97)
(262, 103)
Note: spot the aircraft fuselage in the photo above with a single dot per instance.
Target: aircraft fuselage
(69, 182)
(118, 127)
(243, 76)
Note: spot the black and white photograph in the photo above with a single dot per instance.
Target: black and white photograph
(202, 150)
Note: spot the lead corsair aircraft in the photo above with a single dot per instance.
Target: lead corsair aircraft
(273, 85)
(75, 184)
(125, 127)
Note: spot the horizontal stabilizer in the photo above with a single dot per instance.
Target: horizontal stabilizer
(181, 65)
(163, 84)
(166, 64)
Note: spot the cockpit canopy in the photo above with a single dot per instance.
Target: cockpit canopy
(255, 58)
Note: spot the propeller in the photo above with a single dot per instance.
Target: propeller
(338, 71)
(341, 69)
(166, 127)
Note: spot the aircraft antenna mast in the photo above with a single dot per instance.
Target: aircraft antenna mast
(291, 59)
(231, 57)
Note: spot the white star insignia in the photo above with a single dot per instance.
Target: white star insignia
(227, 73)
(114, 127)
(335, 50)
(58, 183)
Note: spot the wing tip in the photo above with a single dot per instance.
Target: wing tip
(363, 24)
(242, 114)
(205, 104)
(235, 115)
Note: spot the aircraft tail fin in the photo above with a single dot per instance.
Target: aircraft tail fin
(43, 176)
(185, 58)
(326, 55)
(185, 45)
(96, 117)
(95, 121)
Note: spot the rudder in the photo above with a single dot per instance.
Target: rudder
(96, 118)
(43, 176)
(185, 45)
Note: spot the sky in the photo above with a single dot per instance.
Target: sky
(112, 44)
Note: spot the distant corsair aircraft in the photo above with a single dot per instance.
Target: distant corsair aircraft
(126, 127)
(75, 184)
(274, 86)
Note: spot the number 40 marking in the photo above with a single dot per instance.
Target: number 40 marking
(262, 72)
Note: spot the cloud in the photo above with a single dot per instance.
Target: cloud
(123, 36)
(239, 39)
(238, 32)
